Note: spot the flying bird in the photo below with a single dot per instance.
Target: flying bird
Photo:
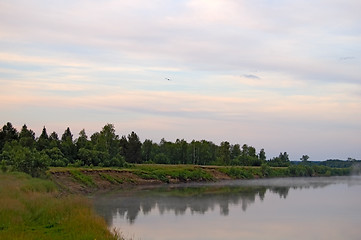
(168, 79)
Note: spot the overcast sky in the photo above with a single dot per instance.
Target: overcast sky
(282, 75)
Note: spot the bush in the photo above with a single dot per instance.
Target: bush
(26, 160)
(57, 158)
(4, 168)
(266, 170)
(237, 172)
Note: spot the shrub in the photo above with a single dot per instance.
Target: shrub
(266, 170)
(80, 177)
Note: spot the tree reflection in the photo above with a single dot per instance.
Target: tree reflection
(197, 199)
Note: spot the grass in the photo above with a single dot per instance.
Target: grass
(33, 208)
(239, 172)
(292, 171)
(165, 173)
(111, 179)
(82, 178)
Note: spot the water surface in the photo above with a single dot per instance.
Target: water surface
(296, 208)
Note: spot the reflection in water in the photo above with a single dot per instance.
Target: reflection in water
(197, 198)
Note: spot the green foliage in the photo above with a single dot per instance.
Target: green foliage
(33, 209)
(266, 170)
(43, 140)
(4, 168)
(225, 153)
(166, 173)
(132, 148)
(82, 178)
(316, 170)
(57, 158)
(339, 163)
(8, 134)
(237, 172)
(161, 158)
(279, 172)
(281, 161)
(27, 137)
(304, 158)
(24, 159)
(301, 171)
(22, 152)
(111, 179)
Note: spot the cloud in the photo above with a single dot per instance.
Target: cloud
(251, 76)
(109, 59)
(346, 58)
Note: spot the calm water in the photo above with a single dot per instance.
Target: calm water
(297, 208)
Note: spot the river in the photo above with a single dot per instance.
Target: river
(285, 208)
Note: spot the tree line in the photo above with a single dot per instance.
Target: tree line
(21, 150)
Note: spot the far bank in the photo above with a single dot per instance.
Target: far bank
(89, 180)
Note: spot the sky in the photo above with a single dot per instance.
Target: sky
(282, 75)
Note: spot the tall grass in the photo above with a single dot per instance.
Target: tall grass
(82, 178)
(164, 173)
(32, 208)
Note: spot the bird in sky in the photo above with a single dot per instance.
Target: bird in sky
(168, 79)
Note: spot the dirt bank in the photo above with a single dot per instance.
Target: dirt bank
(85, 181)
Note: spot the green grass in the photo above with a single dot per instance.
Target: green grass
(291, 171)
(111, 179)
(241, 172)
(32, 208)
(165, 173)
(82, 178)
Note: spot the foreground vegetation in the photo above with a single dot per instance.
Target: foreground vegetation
(33, 208)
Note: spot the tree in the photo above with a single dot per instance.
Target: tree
(24, 159)
(147, 147)
(195, 146)
(56, 156)
(225, 153)
(281, 161)
(31, 161)
(161, 158)
(54, 140)
(304, 158)
(7, 134)
(109, 140)
(133, 149)
(207, 152)
(248, 156)
(181, 147)
(235, 151)
(67, 145)
(27, 137)
(262, 155)
(43, 140)
(82, 141)
(67, 135)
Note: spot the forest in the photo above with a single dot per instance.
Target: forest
(22, 151)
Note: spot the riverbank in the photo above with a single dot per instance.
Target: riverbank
(34, 209)
(89, 180)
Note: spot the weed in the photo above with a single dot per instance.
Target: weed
(82, 178)
(111, 179)
(31, 208)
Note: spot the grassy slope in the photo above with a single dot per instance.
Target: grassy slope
(32, 208)
(86, 180)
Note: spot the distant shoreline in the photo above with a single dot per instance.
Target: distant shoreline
(90, 180)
